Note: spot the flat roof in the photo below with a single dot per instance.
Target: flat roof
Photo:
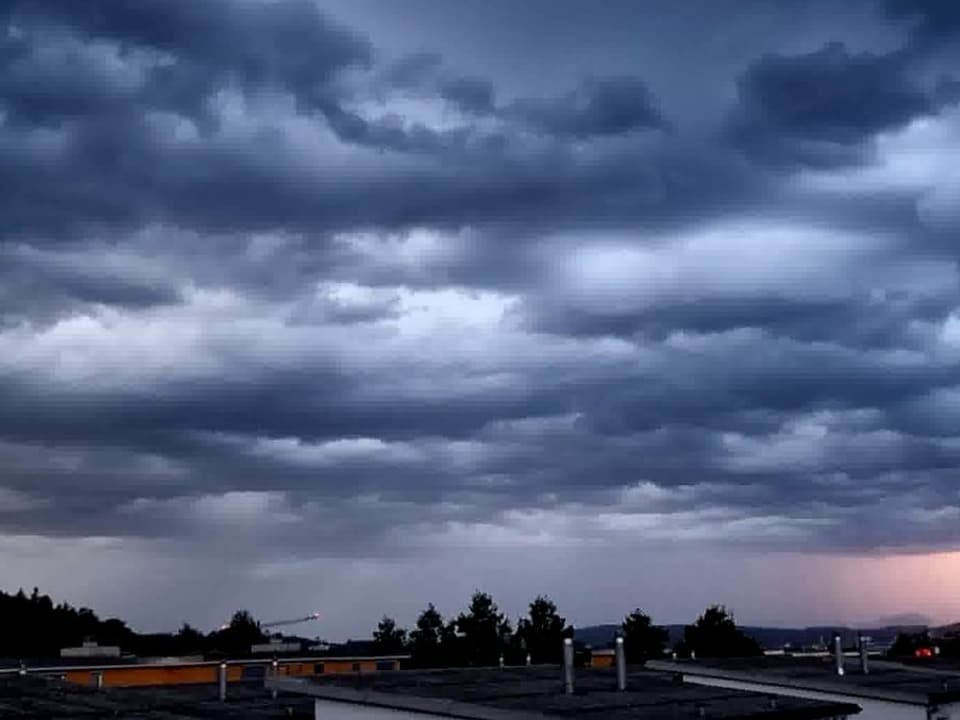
(535, 692)
(45, 699)
(891, 681)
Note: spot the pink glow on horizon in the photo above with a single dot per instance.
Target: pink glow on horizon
(855, 590)
(928, 584)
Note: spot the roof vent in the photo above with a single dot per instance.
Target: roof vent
(621, 666)
(838, 654)
(862, 646)
(568, 666)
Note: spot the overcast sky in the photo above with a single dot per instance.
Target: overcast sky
(360, 305)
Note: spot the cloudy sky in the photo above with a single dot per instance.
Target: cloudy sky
(358, 305)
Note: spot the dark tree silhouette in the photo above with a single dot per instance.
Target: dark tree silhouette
(388, 638)
(485, 631)
(715, 634)
(426, 639)
(242, 632)
(641, 638)
(33, 627)
(189, 640)
(114, 631)
(453, 646)
(542, 631)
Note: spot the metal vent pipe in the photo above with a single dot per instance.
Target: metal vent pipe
(568, 666)
(621, 658)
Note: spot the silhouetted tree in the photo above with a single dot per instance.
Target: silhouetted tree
(426, 639)
(641, 638)
(33, 627)
(242, 632)
(485, 630)
(542, 631)
(389, 638)
(189, 640)
(715, 634)
(114, 631)
(453, 646)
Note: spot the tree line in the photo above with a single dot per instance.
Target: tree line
(33, 627)
(483, 636)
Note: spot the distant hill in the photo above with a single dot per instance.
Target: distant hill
(597, 636)
(903, 620)
(769, 638)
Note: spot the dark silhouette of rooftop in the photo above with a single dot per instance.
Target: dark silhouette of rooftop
(43, 699)
(515, 693)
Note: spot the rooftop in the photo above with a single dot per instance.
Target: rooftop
(526, 693)
(40, 699)
(891, 681)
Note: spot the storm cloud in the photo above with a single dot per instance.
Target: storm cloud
(281, 281)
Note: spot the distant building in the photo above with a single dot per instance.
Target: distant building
(91, 650)
(602, 658)
(276, 645)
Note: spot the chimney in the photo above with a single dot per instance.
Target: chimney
(568, 666)
(621, 666)
(838, 654)
(862, 646)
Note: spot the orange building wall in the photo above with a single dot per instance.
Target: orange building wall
(604, 660)
(141, 676)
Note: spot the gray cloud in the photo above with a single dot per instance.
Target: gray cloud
(820, 107)
(601, 106)
(470, 94)
(273, 287)
(932, 21)
(291, 45)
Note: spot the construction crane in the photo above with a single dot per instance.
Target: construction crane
(294, 621)
(280, 623)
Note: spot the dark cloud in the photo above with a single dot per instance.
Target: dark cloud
(281, 287)
(860, 322)
(117, 119)
(819, 108)
(291, 45)
(599, 107)
(932, 21)
(470, 94)
(413, 70)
